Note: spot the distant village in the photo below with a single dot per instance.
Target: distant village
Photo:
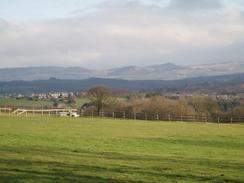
(66, 95)
(43, 96)
(184, 102)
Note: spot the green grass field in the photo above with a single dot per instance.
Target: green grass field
(102, 150)
(80, 101)
(24, 103)
(39, 103)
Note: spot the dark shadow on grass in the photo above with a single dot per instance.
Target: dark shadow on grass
(20, 170)
(198, 143)
(55, 172)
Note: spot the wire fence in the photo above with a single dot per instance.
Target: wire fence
(62, 112)
(165, 117)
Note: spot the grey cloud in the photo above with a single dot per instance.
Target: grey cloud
(3, 25)
(213, 54)
(121, 33)
(242, 16)
(195, 4)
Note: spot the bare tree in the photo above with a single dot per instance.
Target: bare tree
(100, 97)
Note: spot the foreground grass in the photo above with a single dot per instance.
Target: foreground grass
(102, 150)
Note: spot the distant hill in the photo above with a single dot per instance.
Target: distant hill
(225, 83)
(163, 71)
(42, 73)
(166, 71)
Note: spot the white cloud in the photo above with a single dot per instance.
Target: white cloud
(124, 33)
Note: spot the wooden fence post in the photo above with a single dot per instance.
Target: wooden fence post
(133, 115)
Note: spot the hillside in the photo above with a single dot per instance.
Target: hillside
(166, 71)
(224, 83)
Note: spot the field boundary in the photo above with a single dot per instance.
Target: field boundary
(165, 117)
(36, 111)
(216, 118)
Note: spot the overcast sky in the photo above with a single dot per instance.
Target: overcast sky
(113, 33)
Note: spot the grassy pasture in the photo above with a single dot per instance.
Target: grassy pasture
(39, 103)
(37, 149)
(80, 101)
(25, 103)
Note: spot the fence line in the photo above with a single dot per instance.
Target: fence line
(165, 117)
(36, 111)
(217, 118)
(5, 110)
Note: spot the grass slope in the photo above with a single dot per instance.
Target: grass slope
(102, 150)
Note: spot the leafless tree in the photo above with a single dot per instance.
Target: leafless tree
(100, 96)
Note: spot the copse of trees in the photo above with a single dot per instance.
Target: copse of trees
(194, 105)
(162, 105)
(204, 105)
(102, 100)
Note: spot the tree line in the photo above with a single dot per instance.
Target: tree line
(102, 99)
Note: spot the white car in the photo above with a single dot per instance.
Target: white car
(74, 114)
(63, 114)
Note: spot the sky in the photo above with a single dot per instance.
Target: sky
(115, 33)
